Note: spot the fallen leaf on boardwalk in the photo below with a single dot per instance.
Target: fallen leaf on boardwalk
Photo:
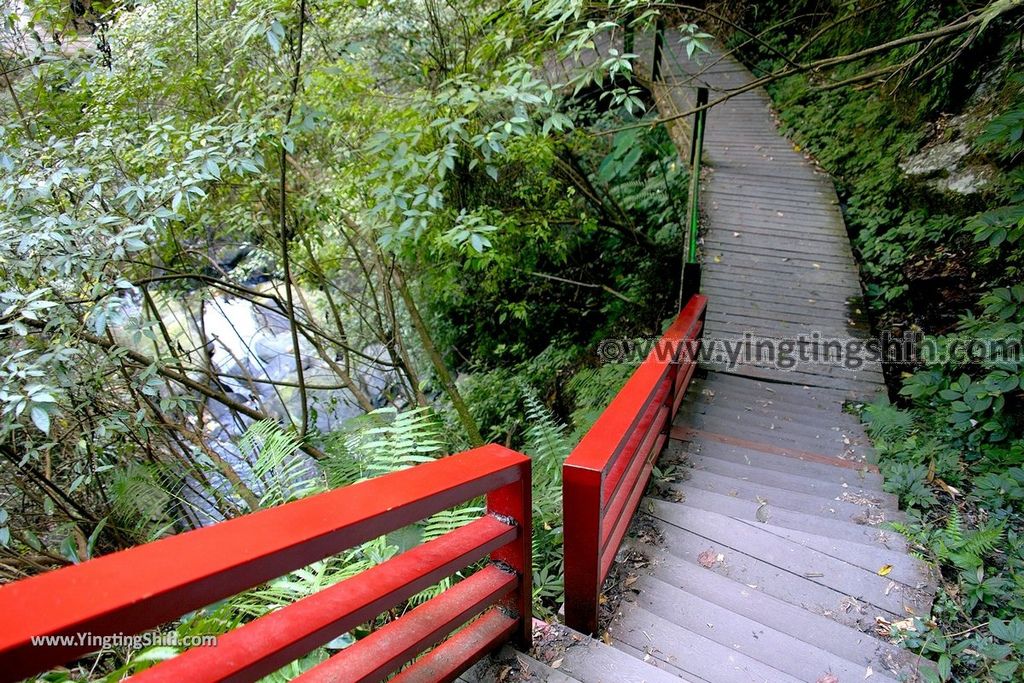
(607, 638)
(884, 571)
(718, 259)
(869, 672)
(630, 580)
(707, 559)
(828, 678)
(557, 663)
(816, 265)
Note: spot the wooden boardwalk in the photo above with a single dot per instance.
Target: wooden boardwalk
(772, 562)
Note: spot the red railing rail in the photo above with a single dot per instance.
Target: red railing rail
(137, 589)
(605, 476)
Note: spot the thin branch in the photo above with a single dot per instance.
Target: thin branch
(590, 285)
(984, 17)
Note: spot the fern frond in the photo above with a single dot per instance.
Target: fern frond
(887, 422)
(983, 541)
(140, 497)
(448, 520)
(954, 532)
(282, 472)
(409, 438)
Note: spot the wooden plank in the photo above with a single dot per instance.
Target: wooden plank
(643, 655)
(758, 575)
(727, 401)
(770, 461)
(689, 651)
(790, 481)
(794, 396)
(798, 501)
(856, 390)
(834, 445)
(812, 428)
(906, 569)
(749, 636)
(727, 532)
(686, 433)
(816, 629)
(592, 661)
(749, 509)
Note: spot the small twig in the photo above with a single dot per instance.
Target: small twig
(591, 285)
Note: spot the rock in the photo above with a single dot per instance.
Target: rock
(945, 168)
(965, 181)
(943, 157)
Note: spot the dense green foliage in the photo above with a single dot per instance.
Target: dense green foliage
(251, 251)
(940, 263)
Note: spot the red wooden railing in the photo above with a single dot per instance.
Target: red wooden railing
(605, 476)
(138, 589)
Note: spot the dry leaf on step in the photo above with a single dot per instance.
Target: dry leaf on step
(707, 558)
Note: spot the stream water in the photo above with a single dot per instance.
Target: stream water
(252, 348)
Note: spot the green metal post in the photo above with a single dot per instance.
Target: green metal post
(659, 42)
(691, 275)
(627, 38)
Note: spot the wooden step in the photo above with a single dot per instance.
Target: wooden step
(756, 574)
(771, 513)
(818, 630)
(906, 568)
(808, 503)
(760, 429)
(698, 657)
(510, 665)
(750, 636)
(773, 402)
(589, 660)
(699, 530)
(853, 491)
(787, 397)
(828, 419)
(781, 463)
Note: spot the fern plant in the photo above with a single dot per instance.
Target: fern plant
(282, 472)
(142, 496)
(966, 548)
(383, 441)
(548, 443)
(887, 422)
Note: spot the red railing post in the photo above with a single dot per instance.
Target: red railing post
(581, 528)
(514, 502)
(604, 478)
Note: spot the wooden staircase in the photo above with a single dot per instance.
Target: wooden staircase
(771, 560)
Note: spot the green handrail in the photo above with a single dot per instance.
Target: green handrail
(696, 155)
(690, 281)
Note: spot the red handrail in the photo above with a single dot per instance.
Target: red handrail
(137, 589)
(606, 474)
